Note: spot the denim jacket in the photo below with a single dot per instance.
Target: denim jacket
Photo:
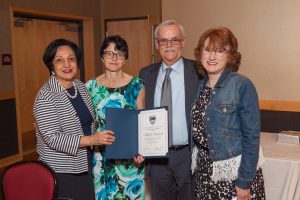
(232, 122)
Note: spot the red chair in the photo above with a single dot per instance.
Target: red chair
(28, 180)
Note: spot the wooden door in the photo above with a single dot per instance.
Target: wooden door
(31, 37)
(30, 72)
(66, 30)
(138, 34)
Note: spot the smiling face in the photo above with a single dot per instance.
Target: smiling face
(170, 43)
(214, 60)
(65, 66)
(116, 62)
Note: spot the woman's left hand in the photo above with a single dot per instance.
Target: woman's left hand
(242, 194)
(138, 160)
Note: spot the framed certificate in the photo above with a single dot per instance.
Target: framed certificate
(143, 132)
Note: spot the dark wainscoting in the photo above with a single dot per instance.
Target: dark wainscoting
(8, 124)
(276, 121)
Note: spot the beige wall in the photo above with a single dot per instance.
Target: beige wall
(268, 32)
(89, 8)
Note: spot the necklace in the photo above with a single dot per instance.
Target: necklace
(114, 82)
(67, 93)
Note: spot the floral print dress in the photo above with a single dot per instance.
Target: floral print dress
(115, 179)
(205, 187)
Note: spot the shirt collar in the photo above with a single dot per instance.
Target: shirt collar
(176, 66)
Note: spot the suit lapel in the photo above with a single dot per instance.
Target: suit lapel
(62, 100)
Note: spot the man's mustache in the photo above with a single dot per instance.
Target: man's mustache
(169, 49)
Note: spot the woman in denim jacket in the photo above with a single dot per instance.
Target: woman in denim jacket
(225, 123)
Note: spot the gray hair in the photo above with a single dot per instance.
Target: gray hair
(168, 23)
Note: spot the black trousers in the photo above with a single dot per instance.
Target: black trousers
(77, 186)
(170, 178)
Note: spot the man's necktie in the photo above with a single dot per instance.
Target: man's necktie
(166, 100)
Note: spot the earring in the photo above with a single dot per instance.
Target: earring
(53, 73)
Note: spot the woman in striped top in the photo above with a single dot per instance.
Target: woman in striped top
(65, 123)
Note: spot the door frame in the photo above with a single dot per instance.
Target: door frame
(88, 59)
(152, 21)
(88, 32)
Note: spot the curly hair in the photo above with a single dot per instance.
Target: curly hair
(219, 39)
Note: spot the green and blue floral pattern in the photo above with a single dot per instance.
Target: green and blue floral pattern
(117, 179)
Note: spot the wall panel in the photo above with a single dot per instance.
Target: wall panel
(267, 31)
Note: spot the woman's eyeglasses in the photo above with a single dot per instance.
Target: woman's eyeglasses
(119, 55)
(218, 53)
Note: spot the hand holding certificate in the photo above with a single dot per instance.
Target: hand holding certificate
(143, 132)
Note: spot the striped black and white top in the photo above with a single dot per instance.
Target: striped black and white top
(58, 129)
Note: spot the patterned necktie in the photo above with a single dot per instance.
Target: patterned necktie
(166, 100)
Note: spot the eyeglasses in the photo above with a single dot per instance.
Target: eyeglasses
(164, 42)
(110, 55)
(218, 53)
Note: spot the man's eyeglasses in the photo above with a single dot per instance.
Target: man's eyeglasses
(110, 55)
(218, 53)
(164, 42)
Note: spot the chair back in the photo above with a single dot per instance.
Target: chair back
(28, 180)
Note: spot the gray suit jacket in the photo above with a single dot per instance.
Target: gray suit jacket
(191, 80)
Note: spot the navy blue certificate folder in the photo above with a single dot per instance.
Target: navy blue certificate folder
(124, 123)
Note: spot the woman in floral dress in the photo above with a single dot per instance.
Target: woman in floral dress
(116, 179)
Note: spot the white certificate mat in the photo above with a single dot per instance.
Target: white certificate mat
(153, 132)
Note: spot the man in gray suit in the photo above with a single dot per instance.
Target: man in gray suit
(170, 178)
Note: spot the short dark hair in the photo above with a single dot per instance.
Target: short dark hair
(219, 38)
(51, 50)
(121, 44)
